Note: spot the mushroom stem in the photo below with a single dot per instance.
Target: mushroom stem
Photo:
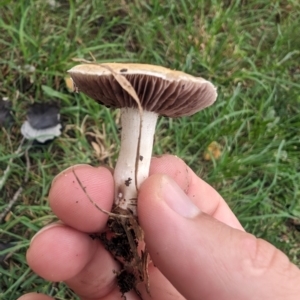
(130, 170)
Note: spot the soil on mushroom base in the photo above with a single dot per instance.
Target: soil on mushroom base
(121, 239)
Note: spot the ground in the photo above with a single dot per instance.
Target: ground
(246, 145)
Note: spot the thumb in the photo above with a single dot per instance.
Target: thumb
(204, 258)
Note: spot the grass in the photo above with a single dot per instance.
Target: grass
(249, 49)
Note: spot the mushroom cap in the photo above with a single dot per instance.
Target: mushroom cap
(161, 90)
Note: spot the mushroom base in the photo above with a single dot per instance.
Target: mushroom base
(123, 239)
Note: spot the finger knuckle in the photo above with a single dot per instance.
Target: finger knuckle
(259, 256)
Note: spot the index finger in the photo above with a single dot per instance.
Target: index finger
(69, 199)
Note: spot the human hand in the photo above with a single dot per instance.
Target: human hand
(197, 245)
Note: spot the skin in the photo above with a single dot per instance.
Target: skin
(198, 246)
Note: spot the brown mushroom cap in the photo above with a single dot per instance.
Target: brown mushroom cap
(161, 90)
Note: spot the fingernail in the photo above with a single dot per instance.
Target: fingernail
(57, 224)
(111, 170)
(66, 171)
(177, 200)
(158, 156)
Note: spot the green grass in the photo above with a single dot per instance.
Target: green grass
(249, 49)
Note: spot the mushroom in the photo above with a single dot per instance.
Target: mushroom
(161, 91)
(43, 122)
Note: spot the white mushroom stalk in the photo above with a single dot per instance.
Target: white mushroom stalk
(134, 159)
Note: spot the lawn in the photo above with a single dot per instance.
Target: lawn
(249, 49)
